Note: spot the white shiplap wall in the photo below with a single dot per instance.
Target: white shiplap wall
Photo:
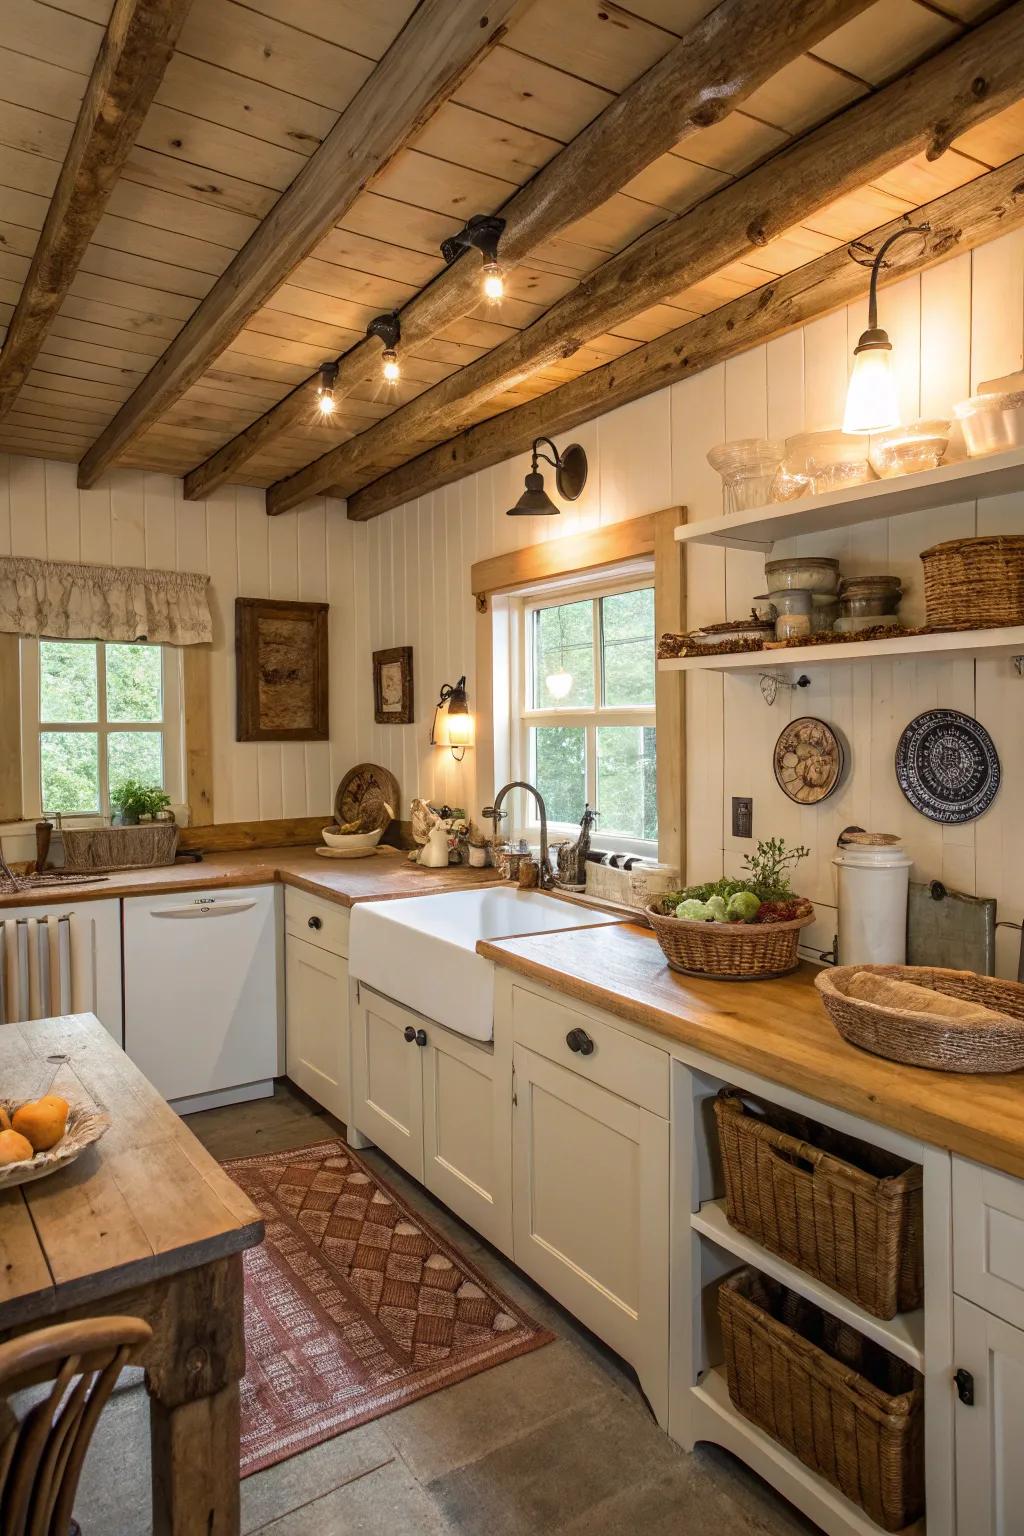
(951, 327)
(141, 519)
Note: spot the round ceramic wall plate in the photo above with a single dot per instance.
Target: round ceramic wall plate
(808, 760)
(947, 766)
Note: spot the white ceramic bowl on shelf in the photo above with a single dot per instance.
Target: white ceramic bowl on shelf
(802, 573)
(992, 423)
(351, 840)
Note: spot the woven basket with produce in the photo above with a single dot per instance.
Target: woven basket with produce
(736, 930)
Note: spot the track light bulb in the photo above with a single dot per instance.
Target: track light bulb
(494, 281)
(325, 389)
(326, 402)
(390, 366)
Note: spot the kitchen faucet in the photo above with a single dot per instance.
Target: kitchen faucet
(494, 813)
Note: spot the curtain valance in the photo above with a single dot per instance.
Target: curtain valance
(103, 602)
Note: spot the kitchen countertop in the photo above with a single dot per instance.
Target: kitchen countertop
(346, 881)
(779, 1030)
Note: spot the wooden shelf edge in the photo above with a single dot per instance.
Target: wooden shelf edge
(902, 1335)
(1010, 640)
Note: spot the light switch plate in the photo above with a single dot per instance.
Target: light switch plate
(742, 816)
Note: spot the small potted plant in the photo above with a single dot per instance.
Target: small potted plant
(744, 929)
(135, 802)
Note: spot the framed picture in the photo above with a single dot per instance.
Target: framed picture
(392, 686)
(281, 682)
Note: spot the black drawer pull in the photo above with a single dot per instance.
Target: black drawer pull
(579, 1041)
(316, 922)
(410, 1034)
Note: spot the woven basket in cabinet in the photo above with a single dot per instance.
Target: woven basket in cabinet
(847, 1213)
(975, 581)
(847, 1408)
(728, 951)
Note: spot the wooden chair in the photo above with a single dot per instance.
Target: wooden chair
(41, 1454)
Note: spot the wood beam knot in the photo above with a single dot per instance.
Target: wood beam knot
(757, 234)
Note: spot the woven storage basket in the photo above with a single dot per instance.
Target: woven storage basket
(110, 848)
(975, 581)
(847, 1408)
(728, 951)
(922, 1039)
(842, 1211)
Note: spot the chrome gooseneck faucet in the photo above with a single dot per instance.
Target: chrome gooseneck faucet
(495, 814)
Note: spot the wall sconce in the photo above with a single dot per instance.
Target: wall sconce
(482, 232)
(570, 478)
(325, 388)
(389, 329)
(453, 724)
(871, 401)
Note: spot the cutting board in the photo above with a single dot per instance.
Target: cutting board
(957, 931)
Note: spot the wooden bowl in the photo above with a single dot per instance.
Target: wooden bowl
(86, 1124)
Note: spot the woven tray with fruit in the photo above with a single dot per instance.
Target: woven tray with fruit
(38, 1136)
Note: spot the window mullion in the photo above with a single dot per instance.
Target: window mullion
(101, 727)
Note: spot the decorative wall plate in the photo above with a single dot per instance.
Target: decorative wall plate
(364, 795)
(947, 766)
(808, 760)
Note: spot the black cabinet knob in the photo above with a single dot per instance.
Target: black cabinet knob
(421, 1037)
(410, 1034)
(316, 922)
(579, 1041)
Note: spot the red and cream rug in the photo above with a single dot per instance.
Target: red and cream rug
(354, 1306)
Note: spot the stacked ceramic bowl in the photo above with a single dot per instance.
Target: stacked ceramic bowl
(866, 602)
(802, 595)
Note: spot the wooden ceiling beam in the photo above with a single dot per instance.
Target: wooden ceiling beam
(974, 213)
(425, 63)
(136, 48)
(923, 110)
(703, 78)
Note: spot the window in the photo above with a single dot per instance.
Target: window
(94, 715)
(586, 715)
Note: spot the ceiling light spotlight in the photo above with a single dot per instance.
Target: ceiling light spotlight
(482, 233)
(389, 329)
(570, 478)
(325, 389)
(872, 403)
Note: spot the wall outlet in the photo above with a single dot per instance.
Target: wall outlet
(742, 816)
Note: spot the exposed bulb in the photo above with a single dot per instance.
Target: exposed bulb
(325, 389)
(325, 401)
(494, 281)
(872, 404)
(460, 729)
(390, 366)
(559, 684)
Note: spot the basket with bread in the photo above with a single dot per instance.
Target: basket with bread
(38, 1136)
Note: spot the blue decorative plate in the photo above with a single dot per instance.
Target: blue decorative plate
(947, 766)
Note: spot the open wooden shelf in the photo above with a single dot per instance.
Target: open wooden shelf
(959, 642)
(902, 1335)
(967, 480)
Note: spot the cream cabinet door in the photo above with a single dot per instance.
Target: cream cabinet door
(387, 1078)
(466, 1158)
(590, 1210)
(989, 1465)
(317, 1028)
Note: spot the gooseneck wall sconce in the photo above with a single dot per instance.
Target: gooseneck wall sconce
(453, 724)
(570, 478)
(872, 404)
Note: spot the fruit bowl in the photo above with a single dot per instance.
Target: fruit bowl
(350, 841)
(85, 1125)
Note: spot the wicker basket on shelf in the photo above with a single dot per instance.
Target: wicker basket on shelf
(975, 581)
(847, 1213)
(923, 1039)
(728, 951)
(847, 1408)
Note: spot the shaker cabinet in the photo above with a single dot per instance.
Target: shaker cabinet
(317, 1033)
(989, 1466)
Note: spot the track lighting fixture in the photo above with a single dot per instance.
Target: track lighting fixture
(482, 232)
(389, 329)
(325, 389)
(570, 478)
(872, 404)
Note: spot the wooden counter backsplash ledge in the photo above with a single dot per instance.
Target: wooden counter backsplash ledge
(779, 1030)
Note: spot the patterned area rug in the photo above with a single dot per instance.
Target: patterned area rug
(354, 1306)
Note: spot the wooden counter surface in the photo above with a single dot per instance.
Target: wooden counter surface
(780, 1030)
(346, 881)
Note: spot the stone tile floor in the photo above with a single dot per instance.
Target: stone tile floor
(558, 1441)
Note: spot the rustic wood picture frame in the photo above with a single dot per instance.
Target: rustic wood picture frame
(281, 681)
(385, 712)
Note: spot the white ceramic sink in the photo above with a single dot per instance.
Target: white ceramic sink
(421, 950)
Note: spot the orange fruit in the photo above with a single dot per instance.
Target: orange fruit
(42, 1122)
(14, 1148)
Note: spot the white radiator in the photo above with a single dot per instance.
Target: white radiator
(46, 967)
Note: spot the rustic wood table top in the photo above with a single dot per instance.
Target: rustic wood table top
(144, 1203)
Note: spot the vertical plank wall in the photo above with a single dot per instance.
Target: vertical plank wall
(951, 327)
(141, 519)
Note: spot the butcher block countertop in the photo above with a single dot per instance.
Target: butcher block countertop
(779, 1030)
(346, 881)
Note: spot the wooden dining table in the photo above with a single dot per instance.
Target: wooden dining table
(145, 1223)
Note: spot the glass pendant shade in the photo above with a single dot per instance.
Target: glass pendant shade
(460, 730)
(872, 404)
(558, 684)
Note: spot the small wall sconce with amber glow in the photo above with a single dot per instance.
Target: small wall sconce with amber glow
(453, 725)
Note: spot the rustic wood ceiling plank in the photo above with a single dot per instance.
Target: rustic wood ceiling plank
(973, 78)
(695, 84)
(421, 67)
(966, 217)
(128, 68)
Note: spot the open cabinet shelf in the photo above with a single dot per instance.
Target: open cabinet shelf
(950, 484)
(964, 642)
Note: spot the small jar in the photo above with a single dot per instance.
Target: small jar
(478, 855)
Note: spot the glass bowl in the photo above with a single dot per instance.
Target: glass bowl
(831, 460)
(908, 450)
(747, 467)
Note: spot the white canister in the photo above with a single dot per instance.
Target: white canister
(874, 879)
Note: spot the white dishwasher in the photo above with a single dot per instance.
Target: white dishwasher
(202, 997)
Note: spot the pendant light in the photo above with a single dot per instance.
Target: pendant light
(570, 478)
(453, 724)
(559, 684)
(389, 329)
(482, 233)
(325, 389)
(872, 402)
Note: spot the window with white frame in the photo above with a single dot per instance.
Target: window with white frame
(586, 723)
(95, 714)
